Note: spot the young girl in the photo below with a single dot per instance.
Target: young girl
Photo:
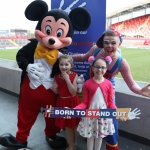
(67, 97)
(97, 94)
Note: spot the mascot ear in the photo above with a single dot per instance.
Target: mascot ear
(36, 10)
(80, 18)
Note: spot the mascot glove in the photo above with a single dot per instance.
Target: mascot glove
(35, 71)
(80, 83)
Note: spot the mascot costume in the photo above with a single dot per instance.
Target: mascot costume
(53, 34)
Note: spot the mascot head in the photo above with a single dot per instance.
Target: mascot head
(55, 28)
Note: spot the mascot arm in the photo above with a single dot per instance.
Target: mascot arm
(25, 55)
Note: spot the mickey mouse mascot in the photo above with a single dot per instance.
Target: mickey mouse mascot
(53, 34)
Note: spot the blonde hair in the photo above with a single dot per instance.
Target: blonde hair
(97, 60)
(65, 56)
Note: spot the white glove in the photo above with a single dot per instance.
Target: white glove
(35, 71)
(133, 115)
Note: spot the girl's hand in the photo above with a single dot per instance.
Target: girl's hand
(54, 88)
(65, 76)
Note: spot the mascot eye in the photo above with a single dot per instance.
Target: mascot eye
(48, 30)
(59, 32)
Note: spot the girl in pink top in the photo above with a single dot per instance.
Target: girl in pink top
(97, 94)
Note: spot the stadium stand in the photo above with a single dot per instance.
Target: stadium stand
(14, 38)
(133, 23)
(134, 27)
(7, 43)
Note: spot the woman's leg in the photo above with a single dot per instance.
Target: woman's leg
(70, 137)
(90, 143)
(98, 143)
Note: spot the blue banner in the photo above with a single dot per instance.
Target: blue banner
(84, 40)
(57, 112)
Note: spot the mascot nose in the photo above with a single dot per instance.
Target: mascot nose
(51, 41)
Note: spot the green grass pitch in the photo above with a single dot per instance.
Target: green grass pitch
(138, 59)
(8, 54)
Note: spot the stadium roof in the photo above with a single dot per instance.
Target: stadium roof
(127, 7)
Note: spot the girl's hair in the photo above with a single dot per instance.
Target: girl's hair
(98, 59)
(65, 56)
(55, 69)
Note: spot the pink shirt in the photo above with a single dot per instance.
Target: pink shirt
(89, 89)
(124, 67)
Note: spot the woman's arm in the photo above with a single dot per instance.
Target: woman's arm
(84, 57)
